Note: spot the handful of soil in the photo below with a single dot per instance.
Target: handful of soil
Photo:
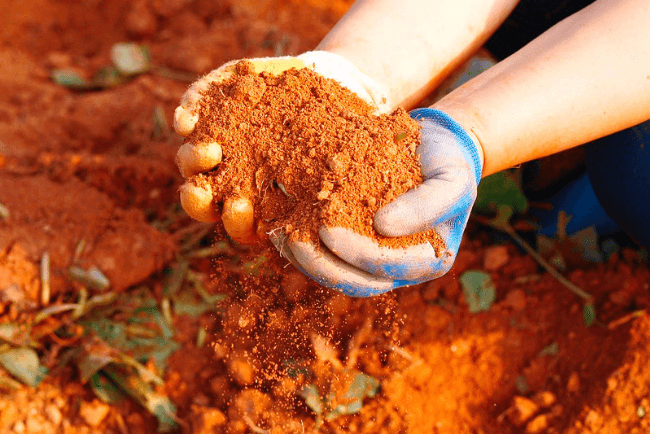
(308, 152)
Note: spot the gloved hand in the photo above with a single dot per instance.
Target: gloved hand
(194, 158)
(357, 266)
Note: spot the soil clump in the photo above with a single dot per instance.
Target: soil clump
(308, 152)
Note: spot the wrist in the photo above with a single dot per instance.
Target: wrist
(466, 139)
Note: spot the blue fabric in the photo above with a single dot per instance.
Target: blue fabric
(528, 20)
(579, 201)
(619, 172)
(614, 193)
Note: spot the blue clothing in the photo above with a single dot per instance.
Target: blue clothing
(619, 171)
(615, 191)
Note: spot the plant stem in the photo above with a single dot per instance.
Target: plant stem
(541, 261)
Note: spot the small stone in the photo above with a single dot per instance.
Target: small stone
(537, 425)
(206, 420)
(521, 411)
(201, 400)
(495, 257)
(593, 420)
(36, 424)
(250, 403)
(622, 297)
(544, 399)
(640, 411)
(323, 194)
(338, 163)
(219, 385)
(516, 299)
(19, 427)
(241, 370)
(93, 413)
(573, 384)
(53, 414)
(140, 21)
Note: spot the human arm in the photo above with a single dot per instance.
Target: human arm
(585, 78)
(410, 46)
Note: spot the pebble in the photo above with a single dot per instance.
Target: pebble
(544, 399)
(37, 425)
(593, 420)
(93, 412)
(19, 427)
(573, 384)
(53, 414)
(207, 420)
(495, 257)
(521, 411)
(516, 299)
(537, 425)
(241, 370)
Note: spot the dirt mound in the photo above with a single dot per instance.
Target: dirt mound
(308, 153)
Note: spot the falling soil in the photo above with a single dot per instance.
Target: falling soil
(83, 178)
(308, 153)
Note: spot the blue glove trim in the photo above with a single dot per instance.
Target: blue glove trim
(468, 147)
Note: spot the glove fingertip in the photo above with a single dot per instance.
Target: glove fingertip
(389, 221)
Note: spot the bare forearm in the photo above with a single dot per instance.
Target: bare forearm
(409, 46)
(587, 77)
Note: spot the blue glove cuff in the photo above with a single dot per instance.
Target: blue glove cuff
(468, 147)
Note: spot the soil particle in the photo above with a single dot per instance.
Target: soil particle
(241, 370)
(93, 413)
(522, 410)
(53, 414)
(537, 425)
(573, 383)
(495, 257)
(207, 420)
(544, 399)
(308, 153)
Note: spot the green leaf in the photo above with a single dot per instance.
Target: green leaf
(130, 58)
(70, 79)
(4, 212)
(310, 394)
(15, 334)
(160, 125)
(175, 277)
(105, 389)
(132, 383)
(23, 364)
(589, 314)
(187, 304)
(108, 77)
(500, 189)
(479, 290)
(363, 386)
(159, 345)
(95, 355)
(549, 350)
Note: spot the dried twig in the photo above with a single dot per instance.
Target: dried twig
(45, 279)
(501, 223)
